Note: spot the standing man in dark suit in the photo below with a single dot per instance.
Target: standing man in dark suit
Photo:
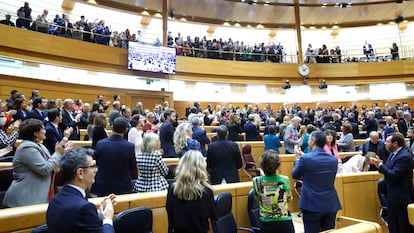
(167, 134)
(223, 159)
(200, 135)
(250, 128)
(405, 124)
(53, 132)
(69, 211)
(319, 200)
(371, 124)
(115, 157)
(70, 119)
(39, 109)
(398, 178)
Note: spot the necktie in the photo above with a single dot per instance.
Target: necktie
(392, 156)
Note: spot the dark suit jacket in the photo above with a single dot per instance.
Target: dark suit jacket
(381, 151)
(115, 158)
(166, 132)
(371, 125)
(223, 160)
(53, 136)
(398, 175)
(200, 135)
(402, 127)
(69, 212)
(252, 133)
(318, 170)
(355, 130)
(68, 122)
(36, 115)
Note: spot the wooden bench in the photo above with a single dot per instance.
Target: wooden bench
(84, 132)
(410, 209)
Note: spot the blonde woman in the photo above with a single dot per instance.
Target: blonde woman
(183, 139)
(152, 168)
(285, 123)
(99, 131)
(190, 200)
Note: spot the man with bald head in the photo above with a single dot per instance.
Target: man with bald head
(70, 119)
(375, 145)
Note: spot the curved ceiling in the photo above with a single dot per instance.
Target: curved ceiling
(275, 13)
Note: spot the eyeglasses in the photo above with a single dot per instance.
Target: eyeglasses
(94, 167)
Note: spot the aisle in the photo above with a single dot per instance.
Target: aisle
(298, 223)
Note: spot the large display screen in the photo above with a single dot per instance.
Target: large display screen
(151, 58)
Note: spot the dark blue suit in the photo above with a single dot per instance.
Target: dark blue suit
(319, 200)
(398, 176)
(223, 160)
(200, 135)
(115, 158)
(36, 115)
(70, 212)
(166, 132)
(53, 135)
(68, 122)
(252, 133)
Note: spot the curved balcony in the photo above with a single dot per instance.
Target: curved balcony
(47, 49)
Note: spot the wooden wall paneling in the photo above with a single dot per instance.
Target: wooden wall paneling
(87, 93)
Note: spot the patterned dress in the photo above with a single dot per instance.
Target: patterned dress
(152, 170)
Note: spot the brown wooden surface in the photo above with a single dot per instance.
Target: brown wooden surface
(357, 193)
(42, 48)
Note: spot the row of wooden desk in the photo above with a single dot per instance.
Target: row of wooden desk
(357, 193)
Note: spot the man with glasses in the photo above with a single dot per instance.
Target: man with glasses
(69, 210)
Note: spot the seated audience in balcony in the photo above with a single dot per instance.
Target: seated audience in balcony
(42, 22)
(87, 32)
(7, 21)
(273, 192)
(190, 200)
(151, 166)
(65, 27)
(394, 52)
(22, 22)
(102, 33)
(367, 49)
(26, 9)
(33, 166)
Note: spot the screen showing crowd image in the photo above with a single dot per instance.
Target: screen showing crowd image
(151, 58)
